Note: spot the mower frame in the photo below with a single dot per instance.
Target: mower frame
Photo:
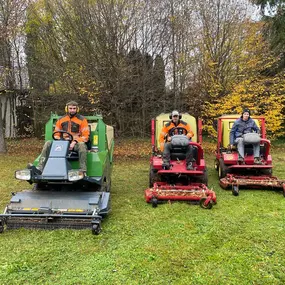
(248, 175)
(178, 183)
(58, 202)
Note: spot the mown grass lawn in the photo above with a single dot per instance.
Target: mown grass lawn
(239, 241)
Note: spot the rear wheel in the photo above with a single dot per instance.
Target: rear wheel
(223, 169)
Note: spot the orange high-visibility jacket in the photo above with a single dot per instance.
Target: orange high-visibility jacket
(169, 126)
(76, 125)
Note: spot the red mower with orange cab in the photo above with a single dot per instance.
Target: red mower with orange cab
(178, 183)
(233, 174)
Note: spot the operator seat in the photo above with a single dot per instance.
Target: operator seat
(179, 153)
(73, 155)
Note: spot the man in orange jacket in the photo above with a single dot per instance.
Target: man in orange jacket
(76, 125)
(169, 130)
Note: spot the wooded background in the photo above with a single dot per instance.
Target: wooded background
(130, 60)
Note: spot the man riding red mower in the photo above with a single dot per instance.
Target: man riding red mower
(180, 173)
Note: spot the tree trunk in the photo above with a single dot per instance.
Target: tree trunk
(3, 148)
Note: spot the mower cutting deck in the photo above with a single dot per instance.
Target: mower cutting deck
(196, 192)
(235, 182)
(51, 210)
(178, 183)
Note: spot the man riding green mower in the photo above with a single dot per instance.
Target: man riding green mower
(171, 135)
(77, 126)
(70, 188)
(245, 127)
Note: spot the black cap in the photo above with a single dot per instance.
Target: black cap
(246, 110)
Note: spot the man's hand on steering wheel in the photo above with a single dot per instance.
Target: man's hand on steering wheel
(61, 138)
(68, 138)
(179, 130)
(72, 145)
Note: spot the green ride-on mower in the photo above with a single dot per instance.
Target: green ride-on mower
(235, 175)
(62, 195)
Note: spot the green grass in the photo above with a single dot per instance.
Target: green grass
(239, 241)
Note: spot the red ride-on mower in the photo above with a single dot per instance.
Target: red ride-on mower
(178, 183)
(247, 175)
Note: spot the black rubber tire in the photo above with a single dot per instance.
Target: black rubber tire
(154, 202)
(203, 178)
(1, 227)
(109, 185)
(40, 186)
(35, 187)
(106, 186)
(96, 229)
(223, 169)
(267, 171)
(235, 190)
(153, 177)
(203, 206)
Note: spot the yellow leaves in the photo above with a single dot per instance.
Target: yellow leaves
(250, 87)
(260, 98)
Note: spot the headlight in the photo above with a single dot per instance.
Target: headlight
(24, 174)
(74, 175)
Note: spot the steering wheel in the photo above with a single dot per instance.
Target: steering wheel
(180, 131)
(70, 136)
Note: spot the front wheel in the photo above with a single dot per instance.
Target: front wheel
(204, 206)
(235, 190)
(223, 169)
(153, 177)
(267, 171)
(203, 178)
(154, 202)
(106, 185)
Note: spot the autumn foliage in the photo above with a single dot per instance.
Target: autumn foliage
(253, 87)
